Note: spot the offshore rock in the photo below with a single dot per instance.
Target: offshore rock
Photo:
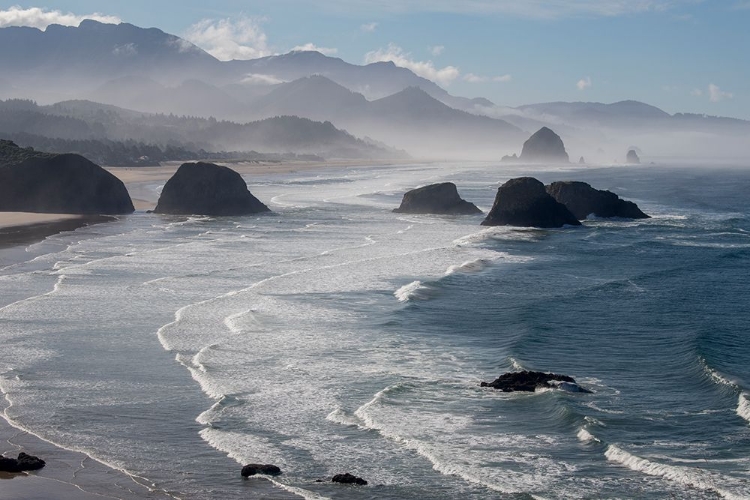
(632, 157)
(265, 469)
(207, 189)
(544, 146)
(527, 381)
(349, 479)
(23, 463)
(440, 199)
(524, 202)
(63, 184)
(583, 200)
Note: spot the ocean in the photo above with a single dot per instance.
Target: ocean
(336, 336)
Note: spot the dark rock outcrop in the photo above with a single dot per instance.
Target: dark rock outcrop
(510, 158)
(632, 157)
(441, 199)
(582, 161)
(544, 146)
(67, 183)
(524, 202)
(207, 189)
(583, 200)
(348, 479)
(23, 463)
(265, 469)
(527, 381)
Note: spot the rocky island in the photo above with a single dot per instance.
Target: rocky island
(440, 199)
(583, 200)
(527, 381)
(525, 202)
(207, 189)
(63, 184)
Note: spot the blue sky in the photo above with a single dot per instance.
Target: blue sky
(680, 55)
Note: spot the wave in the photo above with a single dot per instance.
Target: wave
(586, 437)
(743, 401)
(687, 476)
(61, 278)
(415, 290)
(470, 266)
(504, 233)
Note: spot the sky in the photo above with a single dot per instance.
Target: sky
(680, 55)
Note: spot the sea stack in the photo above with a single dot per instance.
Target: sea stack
(632, 157)
(583, 200)
(207, 189)
(65, 183)
(543, 147)
(524, 202)
(439, 199)
(527, 381)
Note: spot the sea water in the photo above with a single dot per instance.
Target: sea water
(336, 336)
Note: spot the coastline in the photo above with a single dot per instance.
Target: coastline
(19, 228)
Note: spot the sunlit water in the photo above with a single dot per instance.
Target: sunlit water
(336, 336)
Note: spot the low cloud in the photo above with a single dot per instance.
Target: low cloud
(584, 83)
(425, 69)
(309, 47)
(258, 79)
(227, 39)
(125, 50)
(437, 50)
(36, 17)
(369, 27)
(715, 94)
(472, 78)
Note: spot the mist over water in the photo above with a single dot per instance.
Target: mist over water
(335, 336)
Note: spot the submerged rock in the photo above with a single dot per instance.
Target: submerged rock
(632, 157)
(207, 189)
(583, 200)
(265, 469)
(524, 202)
(66, 183)
(544, 146)
(349, 479)
(527, 381)
(23, 463)
(441, 199)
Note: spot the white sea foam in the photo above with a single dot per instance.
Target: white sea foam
(699, 478)
(743, 406)
(415, 290)
(586, 437)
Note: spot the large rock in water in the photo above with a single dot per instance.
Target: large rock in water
(265, 469)
(583, 200)
(524, 202)
(544, 146)
(441, 199)
(207, 189)
(349, 479)
(527, 381)
(66, 183)
(632, 157)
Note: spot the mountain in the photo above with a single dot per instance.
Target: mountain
(618, 114)
(86, 121)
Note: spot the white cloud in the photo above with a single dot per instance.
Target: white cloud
(258, 79)
(437, 50)
(36, 17)
(309, 47)
(227, 39)
(472, 78)
(369, 27)
(425, 69)
(584, 83)
(715, 94)
(696, 92)
(125, 50)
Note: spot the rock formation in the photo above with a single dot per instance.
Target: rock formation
(207, 189)
(348, 479)
(632, 157)
(525, 202)
(583, 200)
(544, 146)
(529, 381)
(442, 199)
(265, 469)
(67, 183)
(582, 161)
(23, 463)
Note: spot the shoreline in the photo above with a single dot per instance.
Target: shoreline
(19, 228)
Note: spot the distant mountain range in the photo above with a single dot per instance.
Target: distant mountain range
(150, 71)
